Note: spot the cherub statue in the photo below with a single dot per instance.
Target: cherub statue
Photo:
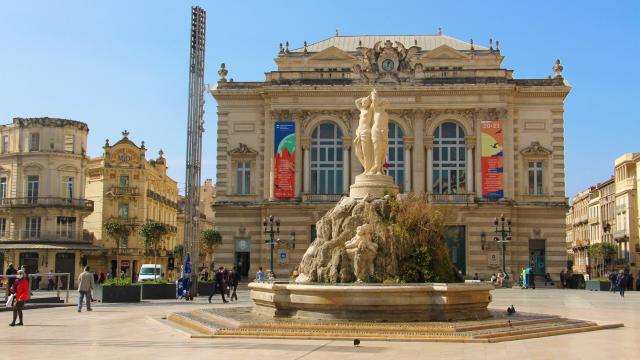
(362, 251)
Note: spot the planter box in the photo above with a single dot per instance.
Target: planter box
(117, 294)
(595, 285)
(205, 288)
(158, 291)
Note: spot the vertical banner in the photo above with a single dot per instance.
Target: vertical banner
(284, 153)
(491, 157)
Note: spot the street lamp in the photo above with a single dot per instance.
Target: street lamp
(269, 230)
(503, 229)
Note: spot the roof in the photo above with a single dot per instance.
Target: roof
(426, 42)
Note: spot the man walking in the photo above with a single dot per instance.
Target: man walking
(85, 285)
(10, 271)
(234, 279)
(219, 284)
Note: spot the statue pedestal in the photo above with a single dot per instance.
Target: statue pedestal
(376, 185)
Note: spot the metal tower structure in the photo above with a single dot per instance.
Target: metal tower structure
(195, 128)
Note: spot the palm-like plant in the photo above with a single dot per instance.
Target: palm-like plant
(117, 231)
(152, 232)
(209, 240)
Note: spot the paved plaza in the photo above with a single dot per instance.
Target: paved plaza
(115, 331)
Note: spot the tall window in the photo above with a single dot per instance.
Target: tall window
(449, 165)
(68, 143)
(535, 178)
(243, 177)
(3, 188)
(68, 187)
(34, 143)
(33, 185)
(326, 160)
(5, 144)
(3, 227)
(395, 158)
(123, 211)
(124, 180)
(32, 228)
(66, 226)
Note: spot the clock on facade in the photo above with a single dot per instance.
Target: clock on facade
(387, 65)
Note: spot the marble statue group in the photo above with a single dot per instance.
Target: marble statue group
(372, 138)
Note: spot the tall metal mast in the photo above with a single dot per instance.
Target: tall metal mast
(195, 128)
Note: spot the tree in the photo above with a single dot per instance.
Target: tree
(178, 253)
(117, 231)
(152, 232)
(601, 253)
(209, 240)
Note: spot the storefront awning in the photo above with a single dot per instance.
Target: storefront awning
(41, 246)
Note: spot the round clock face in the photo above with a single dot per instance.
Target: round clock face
(387, 65)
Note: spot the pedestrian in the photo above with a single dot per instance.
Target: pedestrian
(272, 275)
(612, 282)
(21, 290)
(226, 277)
(218, 284)
(233, 283)
(532, 277)
(494, 278)
(49, 280)
(621, 282)
(475, 276)
(562, 279)
(547, 279)
(260, 274)
(85, 285)
(629, 281)
(501, 276)
(101, 278)
(10, 271)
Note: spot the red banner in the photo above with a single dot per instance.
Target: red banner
(491, 158)
(284, 159)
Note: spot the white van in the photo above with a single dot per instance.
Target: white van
(146, 272)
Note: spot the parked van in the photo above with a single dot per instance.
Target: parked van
(146, 272)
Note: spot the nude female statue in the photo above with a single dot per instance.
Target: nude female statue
(362, 142)
(379, 132)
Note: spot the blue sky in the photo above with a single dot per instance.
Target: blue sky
(123, 64)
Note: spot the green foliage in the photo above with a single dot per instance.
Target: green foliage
(116, 230)
(178, 251)
(602, 251)
(117, 282)
(154, 282)
(152, 232)
(209, 239)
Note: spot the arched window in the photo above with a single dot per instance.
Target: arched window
(449, 160)
(395, 157)
(326, 160)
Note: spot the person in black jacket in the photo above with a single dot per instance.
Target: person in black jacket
(219, 284)
(234, 280)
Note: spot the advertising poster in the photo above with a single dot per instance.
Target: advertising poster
(284, 153)
(491, 157)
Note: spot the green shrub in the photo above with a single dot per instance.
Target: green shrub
(158, 281)
(117, 282)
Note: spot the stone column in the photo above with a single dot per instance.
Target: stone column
(305, 142)
(408, 146)
(428, 144)
(470, 142)
(346, 163)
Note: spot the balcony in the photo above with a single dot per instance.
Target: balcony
(123, 191)
(44, 236)
(59, 202)
(451, 198)
(322, 198)
(620, 234)
(626, 184)
(132, 221)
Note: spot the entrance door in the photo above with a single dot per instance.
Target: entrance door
(30, 261)
(537, 257)
(66, 263)
(114, 269)
(456, 244)
(1, 263)
(242, 262)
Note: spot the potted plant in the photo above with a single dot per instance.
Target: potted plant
(598, 284)
(210, 239)
(117, 291)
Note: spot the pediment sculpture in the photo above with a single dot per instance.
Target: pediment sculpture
(386, 62)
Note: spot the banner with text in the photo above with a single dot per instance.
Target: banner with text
(284, 153)
(491, 157)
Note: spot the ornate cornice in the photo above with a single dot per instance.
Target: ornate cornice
(50, 122)
(243, 150)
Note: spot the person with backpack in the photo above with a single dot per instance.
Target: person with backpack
(20, 289)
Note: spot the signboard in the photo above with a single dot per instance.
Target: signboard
(283, 257)
(125, 263)
(284, 154)
(493, 258)
(491, 158)
(243, 245)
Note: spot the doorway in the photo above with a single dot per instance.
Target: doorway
(114, 269)
(243, 263)
(30, 261)
(66, 263)
(537, 256)
(455, 239)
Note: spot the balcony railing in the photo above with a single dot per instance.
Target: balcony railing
(451, 198)
(44, 235)
(620, 234)
(124, 191)
(128, 220)
(322, 198)
(30, 202)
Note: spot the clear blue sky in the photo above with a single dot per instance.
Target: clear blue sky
(123, 64)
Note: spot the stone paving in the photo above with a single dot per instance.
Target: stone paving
(115, 331)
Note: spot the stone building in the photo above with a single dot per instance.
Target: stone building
(129, 189)
(625, 232)
(449, 98)
(42, 195)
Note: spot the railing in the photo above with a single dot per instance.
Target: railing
(321, 197)
(28, 202)
(43, 235)
(171, 228)
(128, 220)
(451, 198)
(124, 191)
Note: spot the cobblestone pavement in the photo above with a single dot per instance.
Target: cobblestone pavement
(114, 331)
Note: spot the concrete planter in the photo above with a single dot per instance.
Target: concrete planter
(595, 285)
(375, 302)
(205, 288)
(117, 294)
(158, 291)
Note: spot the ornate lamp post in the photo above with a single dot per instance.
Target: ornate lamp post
(272, 233)
(503, 230)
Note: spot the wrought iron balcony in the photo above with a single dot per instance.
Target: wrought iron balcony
(322, 198)
(44, 236)
(458, 198)
(125, 220)
(31, 202)
(620, 234)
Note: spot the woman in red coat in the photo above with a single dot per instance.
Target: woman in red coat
(21, 289)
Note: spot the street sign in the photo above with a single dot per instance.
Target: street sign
(283, 256)
(125, 263)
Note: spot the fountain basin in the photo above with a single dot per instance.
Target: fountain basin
(375, 302)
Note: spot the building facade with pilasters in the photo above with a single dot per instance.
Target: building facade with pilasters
(462, 130)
